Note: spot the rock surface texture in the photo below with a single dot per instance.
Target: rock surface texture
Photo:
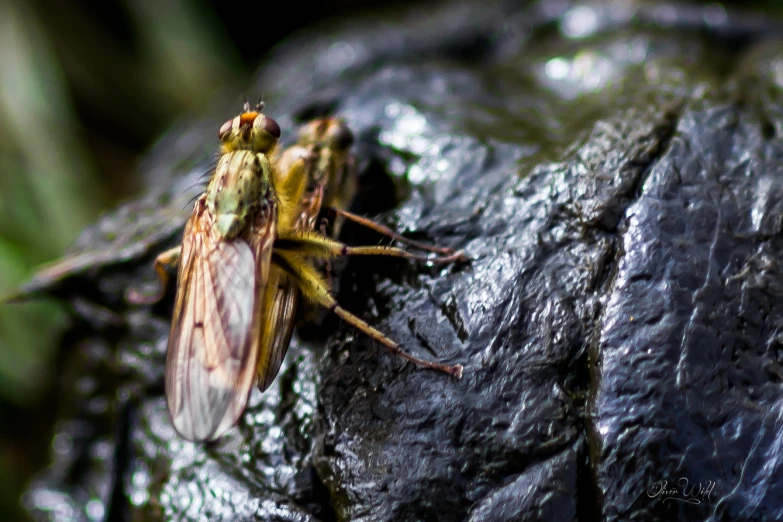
(616, 173)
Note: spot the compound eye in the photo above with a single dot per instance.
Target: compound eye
(271, 127)
(224, 129)
(314, 131)
(340, 135)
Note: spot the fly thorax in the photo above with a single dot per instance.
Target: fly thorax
(235, 193)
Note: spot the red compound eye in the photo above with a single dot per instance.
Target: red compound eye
(340, 135)
(271, 127)
(224, 129)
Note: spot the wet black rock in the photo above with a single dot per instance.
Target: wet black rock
(615, 174)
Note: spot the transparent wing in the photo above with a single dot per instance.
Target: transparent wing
(210, 366)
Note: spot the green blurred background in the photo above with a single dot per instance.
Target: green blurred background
(84, 92)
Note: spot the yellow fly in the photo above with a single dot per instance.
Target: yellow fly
(322, 155)
(247, 254)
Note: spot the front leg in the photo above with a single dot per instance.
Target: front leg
(165, 261)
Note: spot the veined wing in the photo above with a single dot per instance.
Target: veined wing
(210, 366)
(280, 300)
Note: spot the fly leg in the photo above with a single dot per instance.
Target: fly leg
(166, 260)
(327, 263)
(386, 231)
(314, 288)
(316, 245)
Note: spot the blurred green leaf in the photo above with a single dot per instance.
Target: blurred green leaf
(26, 334)
(189, 57)
(47, 193)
